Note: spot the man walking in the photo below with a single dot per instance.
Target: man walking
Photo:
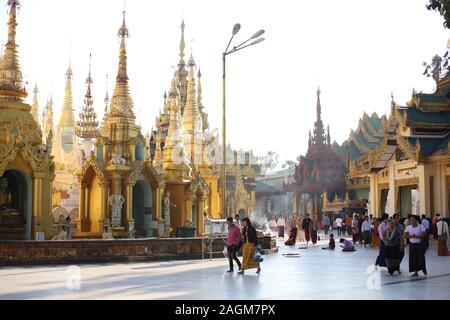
(339, 225)
(326, 224)
(232, 243)
(366, 230)
(281, 224)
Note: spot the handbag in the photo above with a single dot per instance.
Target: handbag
(225, 252)
(444, 235)
(257, 257)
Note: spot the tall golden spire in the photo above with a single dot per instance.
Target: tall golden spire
(87, 126)
(67, 118)
(121, 102)
(192, 120)
(11, 82)
(35, 105)
(106, 102)
(201, 107)
(182, 73)
(173, 149)
(48, 118)
(182, 43)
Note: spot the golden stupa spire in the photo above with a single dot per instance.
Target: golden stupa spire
(182, 73)
(106, 102)
(192, 120)
(182, 43)
(67, 118)
(48, 118)
(11, 82)
(173, 149)
(35, 105)
(121, 102)
(87, 126)
(199, 90)
(201, 107)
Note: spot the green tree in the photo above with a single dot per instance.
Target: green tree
(289, 164)
(443, 7)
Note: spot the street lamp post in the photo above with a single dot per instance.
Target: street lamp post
(256, 39)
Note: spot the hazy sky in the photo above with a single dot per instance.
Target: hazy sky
(357, 50)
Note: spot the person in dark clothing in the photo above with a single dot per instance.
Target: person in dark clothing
(249, 250)
(306, 226)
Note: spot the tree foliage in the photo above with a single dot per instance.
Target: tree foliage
(443, 7)
(289, 164)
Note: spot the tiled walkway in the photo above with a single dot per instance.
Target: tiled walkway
(315, 274)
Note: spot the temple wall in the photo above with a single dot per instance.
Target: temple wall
(102, 251)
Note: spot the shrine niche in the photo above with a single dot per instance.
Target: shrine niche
(15, 206)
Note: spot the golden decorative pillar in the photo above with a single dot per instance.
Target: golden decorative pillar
(37, 200)
(104, 188)
(129, 206)
(201, 208)
(374, 199)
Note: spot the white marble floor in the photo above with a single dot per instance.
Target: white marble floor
(315, 274)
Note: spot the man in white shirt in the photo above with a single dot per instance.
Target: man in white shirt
(366, 229)
(281, 224)
(339, 225)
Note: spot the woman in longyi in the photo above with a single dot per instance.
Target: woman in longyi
(249, 250)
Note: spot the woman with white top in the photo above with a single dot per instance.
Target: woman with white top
(415, 232)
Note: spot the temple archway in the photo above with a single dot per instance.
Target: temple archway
(142, 208)
(16, 204)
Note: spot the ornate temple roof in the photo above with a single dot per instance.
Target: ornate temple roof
(87, 126)
(365, 138)
(321, 168)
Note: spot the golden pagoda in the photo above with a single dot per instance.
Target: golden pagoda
(179, 145)
(26, 166)
(66, 145)
(119, 185)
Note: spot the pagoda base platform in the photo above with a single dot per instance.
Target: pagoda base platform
(92, 250)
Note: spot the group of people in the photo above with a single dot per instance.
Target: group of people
(302, 229)
(413, 232)
(242, 235)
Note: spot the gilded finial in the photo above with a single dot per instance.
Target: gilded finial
(35, 105)
(123, 31)
(11, 81)
(87, 126)
(191, 61)
(182, 42)
(89, 80)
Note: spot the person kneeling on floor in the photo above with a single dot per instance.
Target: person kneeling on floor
(347, 245)
(331, 244)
